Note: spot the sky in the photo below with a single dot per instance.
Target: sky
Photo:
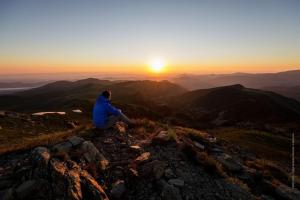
(123, 36)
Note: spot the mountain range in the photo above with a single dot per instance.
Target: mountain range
(285, 83)
(226, 105)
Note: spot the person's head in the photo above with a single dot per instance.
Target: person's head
(106, 94)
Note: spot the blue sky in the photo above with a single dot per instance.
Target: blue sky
(107, 35)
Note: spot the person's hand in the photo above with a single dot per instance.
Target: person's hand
(119, 110)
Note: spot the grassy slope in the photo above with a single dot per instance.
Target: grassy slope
(267, 145)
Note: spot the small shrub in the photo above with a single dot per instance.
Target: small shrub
(140, 131)
(172, 134)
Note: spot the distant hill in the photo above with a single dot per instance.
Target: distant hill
(260, 80)
(288, 91)
(234, 104)
(83, 93)
(20, 84)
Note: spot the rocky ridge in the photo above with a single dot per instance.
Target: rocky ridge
(151, 161)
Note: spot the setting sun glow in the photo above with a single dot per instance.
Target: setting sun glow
(157, 65)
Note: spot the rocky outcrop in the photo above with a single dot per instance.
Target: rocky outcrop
(52, 178)
(120, 165)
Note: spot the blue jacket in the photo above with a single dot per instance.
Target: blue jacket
(102, 110)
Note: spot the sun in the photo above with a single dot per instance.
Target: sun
(157, 65)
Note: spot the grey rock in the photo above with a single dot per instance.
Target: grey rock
(199, 146)
(74, 187)
(92, 154)
(95, 191)
(62, 147)
(57, 174)
(177, 182)
(41, 157)
(229, 163)
(71, 124)
(75, 140)
(169, 173)
(216, 150)
(69, 179)
(161, 138)
(118, 189)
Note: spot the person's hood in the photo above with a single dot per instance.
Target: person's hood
(102, 99)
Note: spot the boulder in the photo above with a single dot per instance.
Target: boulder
(118, 189)
(57, 171)
(62, 147)
(40, 157)
(69, 179)
(74, 188)
(90, 185)
(91, 153)
(75, 140)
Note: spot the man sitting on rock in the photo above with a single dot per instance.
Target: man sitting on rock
(105, 115)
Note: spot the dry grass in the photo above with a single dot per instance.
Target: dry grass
(172, 134)
(210, 164)
(145, 123)
(272, 171)
(194, 134)
(266, 145)
(238, 182)
(140, 131)
(39, 140)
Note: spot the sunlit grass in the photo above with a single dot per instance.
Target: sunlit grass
(23, 143)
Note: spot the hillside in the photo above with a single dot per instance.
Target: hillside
(234, 104)
(151, 161)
